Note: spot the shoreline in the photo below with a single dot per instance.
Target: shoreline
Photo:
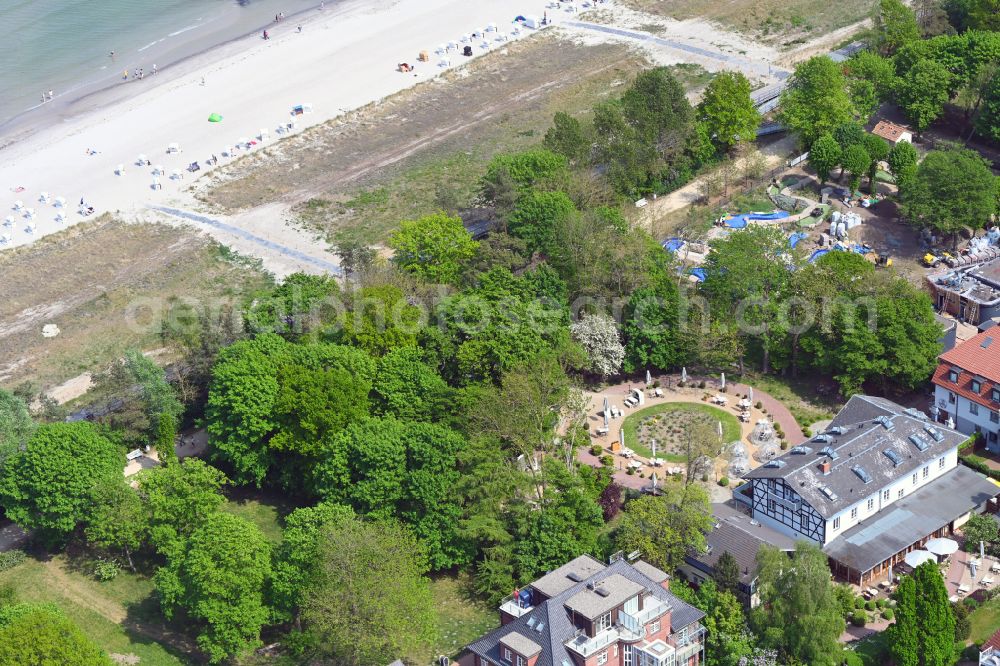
(343, 60)
(94, 96)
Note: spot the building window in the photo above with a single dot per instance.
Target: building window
(655, 627)
(836, 523)
(951, 398)
(627, 657)
(604, 622)
(977, 385)
(601, 658)
(994, 417)
(885, 495)
(871, 503)
(914, 478)
(995, 395)
(506, 655)
(522, 662)
(900, 493)
(854, 513)
(953, 376)
(973, 408)
(615, 653)
(941, 463)
(927, 471)
(770, 506)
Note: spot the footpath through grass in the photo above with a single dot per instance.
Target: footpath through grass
(730, 425)
(120, 615)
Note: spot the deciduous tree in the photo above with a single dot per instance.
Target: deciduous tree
(663, 528)
(824, 156)
(856, 161)
(816, 99)
(42, 634)
(178, 498)
(799, 614)
(924, 631)
(218, 580)
(118, 521)
(599, 337)
(378, 571)
(48, 486)
(434, 247)
(923, 91)
(16, 425)
(728, 111)
(727, 573)
(567, 138)
(894, 26)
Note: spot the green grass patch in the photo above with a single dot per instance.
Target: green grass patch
(461, 617)
(800, 396)
(264, 510)
(730, 425)
(111, 613)
(985, 621)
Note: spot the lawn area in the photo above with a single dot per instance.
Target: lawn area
(461, 617)
(679, 413)
(120, 615)
(800, 396)
(985, 621)
(265, 510)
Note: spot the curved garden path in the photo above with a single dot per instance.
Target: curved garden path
(616, 394)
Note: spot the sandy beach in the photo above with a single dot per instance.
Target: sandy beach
(345, 57)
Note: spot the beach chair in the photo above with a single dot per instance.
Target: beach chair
(5, 238)
(8, 221)
(264, 135)
(120, 170)
(173, 148)
(43, 197)
(452, 46)
(158, 170)
(177, 174)
(444, 62)
(31, 227)
(141, 160)
(18, 205)
(60, 217)
(29, 213)
(156, 185)
(59, 202)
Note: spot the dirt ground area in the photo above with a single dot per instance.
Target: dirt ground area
(105, 285)
(413, 153)
(783, 24)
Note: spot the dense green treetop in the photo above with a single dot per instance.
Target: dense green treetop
(42, 634)
(728, 110)
(218, 580)
(816, 99)
(48, 486)
(435, 247)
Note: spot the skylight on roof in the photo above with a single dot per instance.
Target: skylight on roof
(829, 452)
(822, 438)
(777, 462)
(920, 441)
(531, 621)
(862, 474)
(935, 434)
(985, 344)
(801, 449)
(837, 430)
(886, 423)
(830, 495)
(541, 625)
(893, 456)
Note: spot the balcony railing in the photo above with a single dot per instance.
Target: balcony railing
(588, 645)
(513, 609)
(630, 628)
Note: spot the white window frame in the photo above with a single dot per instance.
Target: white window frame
(854, 513)
(885, 494)
(506, 656)
(941, 462)
(655, 627)
(871, 503)
(899, 495)
(836, 523)
(602, 658)
(914, 479)
(927, 471)
(604, 622)
(521, 661)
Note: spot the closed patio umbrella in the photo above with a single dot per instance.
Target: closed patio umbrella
(722, 381)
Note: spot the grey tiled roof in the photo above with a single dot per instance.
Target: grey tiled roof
(861, 446)
(912, 518)
(556, 628)
(735, 534)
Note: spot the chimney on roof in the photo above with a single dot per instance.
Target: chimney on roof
(825, 467)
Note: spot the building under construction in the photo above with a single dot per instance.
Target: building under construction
(968, 293)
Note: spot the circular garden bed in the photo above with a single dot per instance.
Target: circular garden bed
(667, 422)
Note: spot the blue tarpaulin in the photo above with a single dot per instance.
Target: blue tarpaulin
(699, 274)
(794, 239)
(816, 255)
(673, 244)
(741, 221)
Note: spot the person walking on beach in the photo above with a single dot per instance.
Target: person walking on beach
(154, 68)
(125, 75)
(265, 36)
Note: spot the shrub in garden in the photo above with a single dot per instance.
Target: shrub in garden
(859, 618)
(724, 481)
(597, 449)
(887, 613)
(870, 605)
(859, 602)
(607, 460)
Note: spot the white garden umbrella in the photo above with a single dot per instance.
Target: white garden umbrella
(918, 557)
(621, 437)
(720, 428)
(649, 378)
(942, 546)
(722, 381)
(684, 375)
(750, 395)
(606, 406)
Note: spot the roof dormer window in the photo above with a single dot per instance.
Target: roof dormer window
(953, 376)
(977, 385)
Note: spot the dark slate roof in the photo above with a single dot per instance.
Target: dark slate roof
(861, 444)
(910, 519)
(521, 644)
(556, 627)
(734, 532)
